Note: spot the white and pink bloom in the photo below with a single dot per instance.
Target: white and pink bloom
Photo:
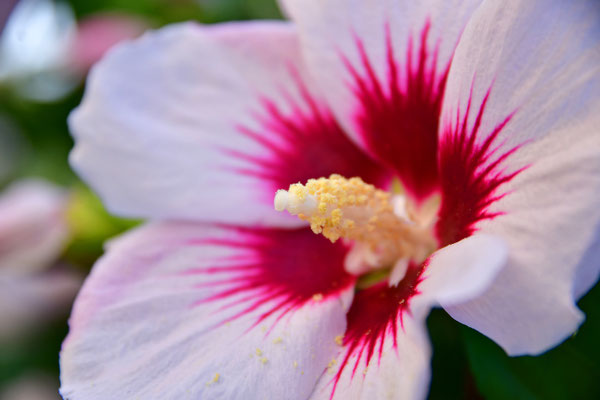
(485, 113)
(33, 233)
(96, 34)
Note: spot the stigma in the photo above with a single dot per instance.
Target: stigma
(375, 221)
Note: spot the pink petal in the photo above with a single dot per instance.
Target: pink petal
(463, 270)
(534, 67)
(206, 123)
(177, 310)
(382, 66)
(400, 369)
(385, 351)
(473, 173)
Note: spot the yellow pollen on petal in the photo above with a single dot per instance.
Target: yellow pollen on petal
(331, 365)
(337, 207)
(214, 380)
(339, 340)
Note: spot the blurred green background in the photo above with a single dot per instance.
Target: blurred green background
(34, 141)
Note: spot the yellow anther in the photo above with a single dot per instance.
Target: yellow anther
(337, 207)
(322, 207)
(298, 191)
(348, 224)
(336, 216)
(316, 228)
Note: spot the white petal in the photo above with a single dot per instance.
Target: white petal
(33, 228)
(206, 123)
(398, 271)
(386, 351)
(402, 372)
(541, 61)
(463, 270)
(174, 311)
(399, 125)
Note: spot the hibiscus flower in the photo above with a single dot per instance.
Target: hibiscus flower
(460, 167)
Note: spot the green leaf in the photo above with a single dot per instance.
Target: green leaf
(569, 371)
(32, 352)
(451, 378)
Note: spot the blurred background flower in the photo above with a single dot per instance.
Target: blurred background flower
(35, 386)
(52, 228)
(33, 233)
(35, 289)
(98, 33)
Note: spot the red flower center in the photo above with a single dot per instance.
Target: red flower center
(398, 121)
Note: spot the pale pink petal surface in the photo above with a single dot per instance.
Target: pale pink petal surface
(400, 370)
(382, 66)
(177, 310)
(386, 350)
(206, 123)
(531, 93)
(463, 270)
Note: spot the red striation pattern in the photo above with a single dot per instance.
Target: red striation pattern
(284, 269)
(277, 271)
(470, 175)
(374, 317)
(399, 123)
(306, 143)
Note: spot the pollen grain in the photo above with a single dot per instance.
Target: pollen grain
(337, 207)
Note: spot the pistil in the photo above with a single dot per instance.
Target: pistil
(351, 209)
